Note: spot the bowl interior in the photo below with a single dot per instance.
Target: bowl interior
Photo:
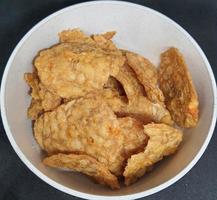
(138, 29)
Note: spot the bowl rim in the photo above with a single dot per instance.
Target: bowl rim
(73, 192)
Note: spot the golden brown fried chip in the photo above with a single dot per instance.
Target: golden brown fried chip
(86, 125)
(104, 40)
(35, 109)
(141, 108)
(116, 102)
(33, 82)
(74, 35)
(147, 75)
(163, 141)
(135, 138)
(84, 164)
(42, 99)
(138, 106)
(129, 82)
(147, 111)
(72, 70)
(177, 85)
(109, 35)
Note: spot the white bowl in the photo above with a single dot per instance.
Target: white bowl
(140, 29)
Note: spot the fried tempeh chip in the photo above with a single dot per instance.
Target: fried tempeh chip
(138, 105)
(129, 82)
(116, 102)
(42, 99)
(74, 35)
(135, 138)
(141, 108)
(104, 40)
(72, 70)
(84, 164)
(177, 85)
(147, 75)
(163, 141)
(86, 125)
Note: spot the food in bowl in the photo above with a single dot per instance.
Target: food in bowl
(107, 112)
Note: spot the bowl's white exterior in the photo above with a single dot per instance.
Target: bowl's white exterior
(139, 29)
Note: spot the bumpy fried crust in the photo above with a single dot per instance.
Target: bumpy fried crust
(135, 138)
(129, 82)
(74, 35)
(163, 141)
(104, 40)
(116, 102)
(147, 111)
(33, 82)
(141, 108)
(42, 99)
(84, 164)
(35, 109)
(138, 106)
(147, 75)
(177, 85)
(84, 125)
(72, 70)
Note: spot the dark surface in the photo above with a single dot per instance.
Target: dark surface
(198, 17)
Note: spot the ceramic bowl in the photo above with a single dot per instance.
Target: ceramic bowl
(139, 29)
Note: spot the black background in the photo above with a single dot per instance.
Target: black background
(198, 17)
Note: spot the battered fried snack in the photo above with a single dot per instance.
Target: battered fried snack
(86, 125)
(104, 40)
(177, 85)
(74, 35)
(129, 82)
(116, 102)
(139, 106)
(91, 101)
(72, 70)
(35, 109)
(42, 99)
(147, 75)
(163, 141)
(147, 111)
(135, 138)
(84, 164)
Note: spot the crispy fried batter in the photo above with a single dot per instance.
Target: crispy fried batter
(84, 164)
(163, 141)
(84, 125)
(177, 86)
(129, 82)
(74, 35)
(104, 40)
(141, 108)
(135, 138)
(33, 82)
(90, 101)
(42, 99)
(138, 106)
(35, 109)
(72, 70)
(116, 102)
(147, 75)
(109, 35)
(148, 111)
